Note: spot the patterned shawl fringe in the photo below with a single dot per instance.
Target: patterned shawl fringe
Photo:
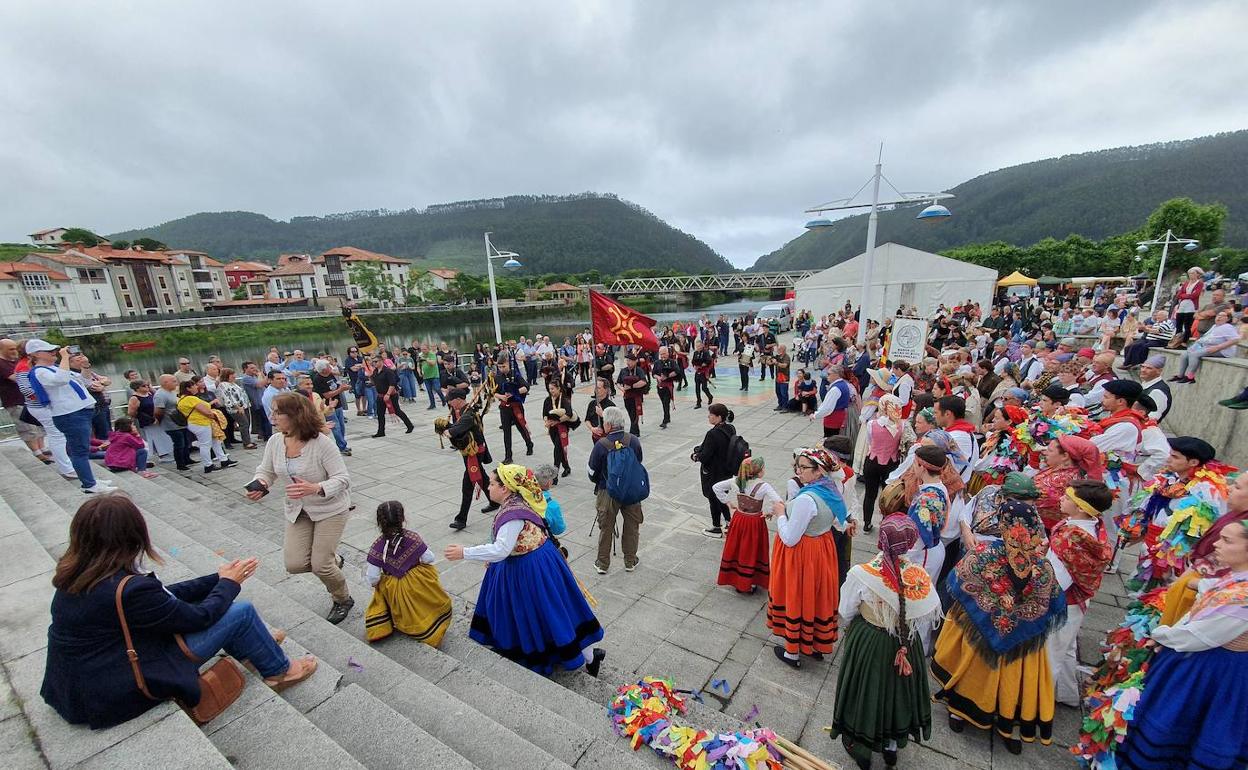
(984, 649)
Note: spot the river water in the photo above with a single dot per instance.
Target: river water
(460, 335)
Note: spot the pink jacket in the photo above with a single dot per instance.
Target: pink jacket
(122, 448)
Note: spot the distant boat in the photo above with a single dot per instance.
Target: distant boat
(143, 345)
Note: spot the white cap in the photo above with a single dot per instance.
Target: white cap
(36, 345)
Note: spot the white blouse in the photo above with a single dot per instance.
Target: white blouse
(727, 491)
(1204, 634)
(373, 573)
(502, 546)
(791, 525)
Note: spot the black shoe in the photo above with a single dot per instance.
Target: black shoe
(493, 506)
(868, 527)
(791, 663)
(210, 468)
(890, 757)
(184, 467)
(228, 463)
(714, 531)
(1013, 745)
(566, 472)
(663, 426)
(816, 656)
(410, 428)
(338, 612)
(457, 524)
(529, 451)
(697, 406)
(430, 407)
(379, 435)
(595, 661)
(955, 724)
(507, 460)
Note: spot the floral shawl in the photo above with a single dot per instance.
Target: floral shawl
(929, 511)
(1085, 557)
(1229, 596)
(1009, 597)
(397, 556)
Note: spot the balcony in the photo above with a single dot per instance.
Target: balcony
(206, 294)
(204, 285)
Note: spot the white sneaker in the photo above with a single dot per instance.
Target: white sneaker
(98, 489)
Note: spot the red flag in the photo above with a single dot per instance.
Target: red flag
(616, 324)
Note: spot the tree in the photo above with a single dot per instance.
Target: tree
(1188, 219)
(240, 293)
(373, 281)
(417, 285)
(81, 236)
(149, 244)
(121, 244)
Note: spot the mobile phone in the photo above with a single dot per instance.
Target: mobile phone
(256, 485)
(74, 350)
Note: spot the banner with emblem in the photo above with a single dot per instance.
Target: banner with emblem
(616, 324)
(907, 341)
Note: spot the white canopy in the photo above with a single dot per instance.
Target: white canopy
(900, 275)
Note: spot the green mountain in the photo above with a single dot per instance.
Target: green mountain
(1094, 194)
(552, 234)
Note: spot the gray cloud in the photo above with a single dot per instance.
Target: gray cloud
(725, 118)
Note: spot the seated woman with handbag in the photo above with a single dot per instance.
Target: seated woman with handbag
(105, 604)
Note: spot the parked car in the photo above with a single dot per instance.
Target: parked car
(782, 312)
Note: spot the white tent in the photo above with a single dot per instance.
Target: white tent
(900, 275)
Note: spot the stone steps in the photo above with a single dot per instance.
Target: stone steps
(434, 687)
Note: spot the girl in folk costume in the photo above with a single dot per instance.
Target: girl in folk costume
(803, 591)
(886, 443)
(882, 695)
(1191, 713)
(530, 608)
(928, 506)
(990, 659)
(1079, 550)
(978, 522)
(744, 564)
(1000, 453)
(1065, 459)
(407, 594)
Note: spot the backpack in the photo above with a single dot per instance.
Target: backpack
(738, 450)
(627, 479)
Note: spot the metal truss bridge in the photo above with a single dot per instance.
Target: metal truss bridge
(721, 282)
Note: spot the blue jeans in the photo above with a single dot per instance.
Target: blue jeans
(100, 424)
(370, 397)
(77, 429)
(433, 386)
(339, 428)
(181, 439)
(407, 383)
(782, 394)
(140, 462)
(243, 636)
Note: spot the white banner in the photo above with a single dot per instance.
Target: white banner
(908, 340)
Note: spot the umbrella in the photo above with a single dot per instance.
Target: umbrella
(1017, 279)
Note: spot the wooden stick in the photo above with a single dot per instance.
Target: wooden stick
(801, 753)
(792, 761)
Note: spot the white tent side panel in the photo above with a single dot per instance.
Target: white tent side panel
(900, 276)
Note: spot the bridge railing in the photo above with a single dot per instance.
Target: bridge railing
(721, 282)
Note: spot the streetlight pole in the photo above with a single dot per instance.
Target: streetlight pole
(1189, 244)
(489, 269)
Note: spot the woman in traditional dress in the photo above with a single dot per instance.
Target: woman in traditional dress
(744, 564)
(1191, 713)
(801, 607)
(990, 659)
(928, 507)
(530, 608)
(1000, 453)
(1066, 459)
(887, 441)
(882, 696)
(407, 594)
(560, 421)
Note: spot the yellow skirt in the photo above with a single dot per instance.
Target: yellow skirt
(414, 604)
(1015, 694)
(1180, 597)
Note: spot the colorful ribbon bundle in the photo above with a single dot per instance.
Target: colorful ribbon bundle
(1040, 430)
(1105, 726)
(642, 712)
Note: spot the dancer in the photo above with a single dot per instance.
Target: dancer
(1067, 458)
(666, 375)
(512, 390)
(598, 403)
(407, 594)
(744, 564)
(713, 457)
(929, 507)
(467, 436)
(530, 608)
(882, 696)
(560, 420)
(635, 384)
(887, 435)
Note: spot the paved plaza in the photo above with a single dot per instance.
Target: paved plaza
(668, 618)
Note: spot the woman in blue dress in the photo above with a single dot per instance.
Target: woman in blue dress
(530, 608)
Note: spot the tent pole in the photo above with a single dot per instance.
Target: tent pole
(872, 224)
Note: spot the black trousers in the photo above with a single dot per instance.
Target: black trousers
(584, 371)
(665, 398)
(398, 411)
(745, 377)
(466, 488)
(718, 510)
(1137, 352)
(508, 418)
(700, 386)
(630, 406)
(1183, 325)
(560, 456)
(873, 475)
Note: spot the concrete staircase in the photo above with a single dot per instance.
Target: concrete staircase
(396, 703)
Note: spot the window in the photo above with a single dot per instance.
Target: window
(35, 281)
(63, 302)
(162, 282)
(17, 303)
(129, 303)
(95, 294)
(121, 282)
(166, 296)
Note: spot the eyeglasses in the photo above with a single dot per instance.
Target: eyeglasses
(800, 467)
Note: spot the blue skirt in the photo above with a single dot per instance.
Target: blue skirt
(1191, 714)
(532, 611)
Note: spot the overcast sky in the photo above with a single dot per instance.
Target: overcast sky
(724, 118)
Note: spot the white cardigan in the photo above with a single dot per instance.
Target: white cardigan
(320, 462)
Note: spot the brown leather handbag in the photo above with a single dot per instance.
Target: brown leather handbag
(219, 686)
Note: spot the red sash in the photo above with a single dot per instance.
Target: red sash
(1123, 415)
(963, 426)
(517, 411)
(563, 436)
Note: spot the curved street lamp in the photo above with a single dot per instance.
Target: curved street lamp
(512, 263)
(1165, 241)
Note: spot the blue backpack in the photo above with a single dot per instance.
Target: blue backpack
(627, 479)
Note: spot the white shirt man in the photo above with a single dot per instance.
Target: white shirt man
(1029, 367)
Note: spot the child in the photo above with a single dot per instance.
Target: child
(745, 563)
(126, 449)
(842, 450)
(548, 476)
(407, 594)
(1079, 551)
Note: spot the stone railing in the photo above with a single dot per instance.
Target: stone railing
(1195, 410)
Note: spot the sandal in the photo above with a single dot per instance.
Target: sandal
(278, 634)
(300, 669)
(249, 446)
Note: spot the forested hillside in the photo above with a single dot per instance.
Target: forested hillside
(1095, 195)
(552, 234)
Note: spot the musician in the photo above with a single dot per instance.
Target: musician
(680, 350)
(464, 428)
(597, 405)
(635, 383)
(604, 362)
(560, 421)
(666, 373)
(452, 376)
(767, 348)
(703, 364)
(512, 389)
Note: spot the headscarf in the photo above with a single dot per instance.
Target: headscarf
(928, 413)
(890, 423)
(1015, 414)
(521, 480)
(897, 536)
(949, 475)
(817, 455)
(751, 468)
(1084, 454)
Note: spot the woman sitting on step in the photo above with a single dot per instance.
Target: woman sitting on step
(89, 679)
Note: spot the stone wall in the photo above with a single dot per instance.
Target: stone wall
(1196, 411)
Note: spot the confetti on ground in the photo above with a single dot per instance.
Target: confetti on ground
(721, 685)
(220, 552)
(751, 715)
(354, 665)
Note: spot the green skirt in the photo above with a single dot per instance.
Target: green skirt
(874, 703)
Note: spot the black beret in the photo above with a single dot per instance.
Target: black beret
(1128, 389)
(1057, 393)
(1193, 448)
(1146, 401)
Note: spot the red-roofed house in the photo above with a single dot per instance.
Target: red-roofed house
(440, 278)
(334, 270)
(294, 277)
(151, 282)
(49, 237)
(89, 277)
(239, 272)
(34, 292)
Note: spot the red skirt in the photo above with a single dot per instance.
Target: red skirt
(804, 594)
(744, 563)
